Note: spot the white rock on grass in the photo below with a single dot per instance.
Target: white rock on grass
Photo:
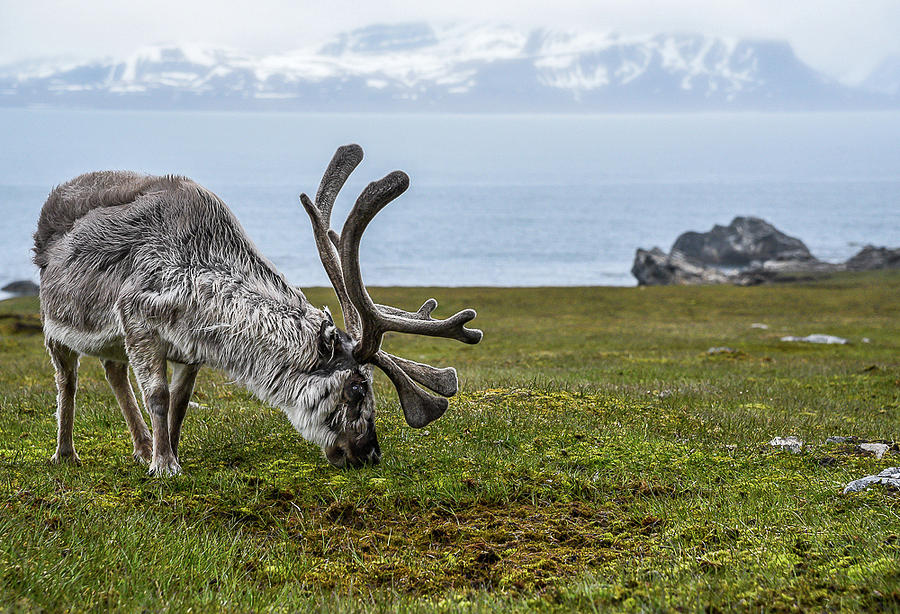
(888, 477)
(788, 444)
(760, 326)
(722, 349)
(829, 339)
(878, 449)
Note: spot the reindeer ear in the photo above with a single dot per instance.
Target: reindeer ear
(327, 339)
(335, 347)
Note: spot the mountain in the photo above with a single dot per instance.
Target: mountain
(417, 67)
(885, 78)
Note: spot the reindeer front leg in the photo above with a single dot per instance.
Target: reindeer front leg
(183, 378)
(117, 376)
(148, 360)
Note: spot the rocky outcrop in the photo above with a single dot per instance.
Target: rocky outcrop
(656, 268)
(745, 241)
(21, 288)
(870, 258)
(747, 252)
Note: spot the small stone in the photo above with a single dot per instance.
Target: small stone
(760, 326)
(878, 449)
(817, 338)
(720, 350)
(889, 477)
(866, 340)
(788, 444)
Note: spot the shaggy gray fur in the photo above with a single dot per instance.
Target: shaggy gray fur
(150, 269)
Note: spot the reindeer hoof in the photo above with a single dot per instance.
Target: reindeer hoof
(165, 467)
(68, 458)
(143, 454)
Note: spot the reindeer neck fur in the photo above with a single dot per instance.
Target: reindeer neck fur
(265, 335)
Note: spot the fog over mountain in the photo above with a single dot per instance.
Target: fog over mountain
(885, 78)
(416, 67)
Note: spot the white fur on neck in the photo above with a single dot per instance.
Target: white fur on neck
(312, 398)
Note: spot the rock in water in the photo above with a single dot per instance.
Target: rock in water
(745, 241)
(889, 477)
(21, 288)
(650, 268)
(871, 257)
(747, 252)
(656, 268)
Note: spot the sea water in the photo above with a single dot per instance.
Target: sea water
(517, 200)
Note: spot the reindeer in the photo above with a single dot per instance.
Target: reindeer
(148, 270)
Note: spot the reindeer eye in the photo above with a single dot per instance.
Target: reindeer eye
(355, 390)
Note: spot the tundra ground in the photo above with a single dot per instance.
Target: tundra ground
(597, 458)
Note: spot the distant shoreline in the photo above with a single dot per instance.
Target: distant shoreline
(436, 289)
(444, 113)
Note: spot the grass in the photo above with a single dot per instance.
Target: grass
(597, 459)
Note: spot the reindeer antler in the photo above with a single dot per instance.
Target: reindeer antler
(345, 160)
(367, 321)
(375, 321)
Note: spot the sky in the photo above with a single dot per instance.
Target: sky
(845, 39)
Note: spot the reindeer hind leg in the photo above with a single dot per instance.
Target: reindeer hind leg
(65, 360)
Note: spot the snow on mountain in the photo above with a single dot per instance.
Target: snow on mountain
(418, 67)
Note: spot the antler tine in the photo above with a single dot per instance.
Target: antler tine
(378, 319)
(345, 160)
(419, 407)
(424, 312)
(373, 199)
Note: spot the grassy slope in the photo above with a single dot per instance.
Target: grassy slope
(597, 458)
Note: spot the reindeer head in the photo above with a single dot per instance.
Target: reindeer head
(352, 419)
